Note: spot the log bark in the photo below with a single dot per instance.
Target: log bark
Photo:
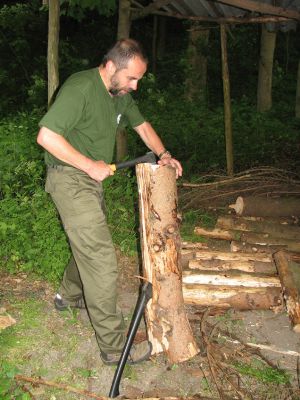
(275, 230)
(219, 255)
(249, 237)
(233, 297)
(232, 278)
(289, 274)
(167, 324)
(266, 207)
(256, 248)
(227, 101)
(246, 266)
(52, 52)
(264, 85)
(196, 245)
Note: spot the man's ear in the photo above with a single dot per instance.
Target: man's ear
(111, 68)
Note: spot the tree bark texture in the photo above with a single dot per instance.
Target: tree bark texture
(168, 326)
(53, 41)
(266, 207)
(124, 25)
(229, 278)
(256, 248)
(276, 230)
(297, 108)
(248, 298)
(249, 237)
(289, 273)
(221, 265)
(196, 80)
(264, 86)
(227, 101)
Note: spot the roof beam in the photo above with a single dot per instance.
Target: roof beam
(225, 20)
(151, 8)
(262, 8)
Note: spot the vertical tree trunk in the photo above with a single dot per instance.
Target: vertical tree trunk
(154, 43)
(196, 80)
(264, 87)
(161, 39)
(227, 102)
(167, 323)
(124, 24)
(53, 41)
(298, 93)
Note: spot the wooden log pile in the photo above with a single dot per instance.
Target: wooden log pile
(231, 280)
(262, 268)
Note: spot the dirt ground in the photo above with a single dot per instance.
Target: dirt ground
(60, 348)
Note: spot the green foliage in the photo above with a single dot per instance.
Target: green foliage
(77, 8)
(30, 231)
(262, 372)
(9, 387)
(121, 201)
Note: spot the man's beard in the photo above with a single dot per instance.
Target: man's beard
(115, 89)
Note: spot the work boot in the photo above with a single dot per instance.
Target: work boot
(139, 352)
(62, 304)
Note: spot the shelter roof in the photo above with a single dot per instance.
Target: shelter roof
(285, 12)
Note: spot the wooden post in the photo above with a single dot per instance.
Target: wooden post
(227, 102)
(168, 326)
(53, 42)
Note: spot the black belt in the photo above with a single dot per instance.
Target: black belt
(60, 167)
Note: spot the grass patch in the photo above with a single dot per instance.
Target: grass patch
(263, 373)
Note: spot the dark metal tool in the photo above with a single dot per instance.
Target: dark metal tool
(149, 157)
(145, 296)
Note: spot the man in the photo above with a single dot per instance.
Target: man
(78, 133)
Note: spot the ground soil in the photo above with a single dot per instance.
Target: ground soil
(60, 348)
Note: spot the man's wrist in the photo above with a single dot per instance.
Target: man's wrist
(164, 154)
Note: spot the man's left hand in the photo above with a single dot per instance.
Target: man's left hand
(174, 163)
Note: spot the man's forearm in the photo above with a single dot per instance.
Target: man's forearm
(150, 138)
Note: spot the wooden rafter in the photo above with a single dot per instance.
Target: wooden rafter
(269, 12)
(262, 8)
(223, 20)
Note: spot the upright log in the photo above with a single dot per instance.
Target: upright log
(168, 326)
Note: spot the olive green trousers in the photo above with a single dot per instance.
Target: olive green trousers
(92, 272)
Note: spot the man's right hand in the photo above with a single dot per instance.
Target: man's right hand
(99, 170)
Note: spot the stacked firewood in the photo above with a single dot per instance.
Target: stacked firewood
(260, 271)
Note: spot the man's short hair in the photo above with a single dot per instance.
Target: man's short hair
(123, 51)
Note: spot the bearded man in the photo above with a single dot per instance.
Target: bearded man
(78, 133)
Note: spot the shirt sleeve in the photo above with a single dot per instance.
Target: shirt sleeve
(132, 113)
(66, 111)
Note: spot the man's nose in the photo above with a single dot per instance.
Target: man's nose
(133, 85)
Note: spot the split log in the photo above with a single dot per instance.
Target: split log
(259, 267)
(256, 248)
(219, 255)
(264, 298)
(266, 207)
(289, 274)
(250, 237)
(192, 245)
(214, 278)
(275, 230)
(167, 324)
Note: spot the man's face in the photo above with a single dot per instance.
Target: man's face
(125, 80)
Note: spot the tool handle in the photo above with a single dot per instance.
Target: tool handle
(145, 296)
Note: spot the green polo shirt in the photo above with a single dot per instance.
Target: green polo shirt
(87, 116)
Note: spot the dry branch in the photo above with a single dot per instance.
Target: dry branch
(221, 190)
